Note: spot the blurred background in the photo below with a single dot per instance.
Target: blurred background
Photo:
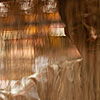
(27, 18)
(31, 36)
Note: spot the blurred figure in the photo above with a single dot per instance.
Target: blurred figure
(82, 20)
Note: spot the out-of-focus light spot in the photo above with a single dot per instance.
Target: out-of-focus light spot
(57, 30)
(3, 9)
(50, 7)
(27, 7)
(1, 5)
